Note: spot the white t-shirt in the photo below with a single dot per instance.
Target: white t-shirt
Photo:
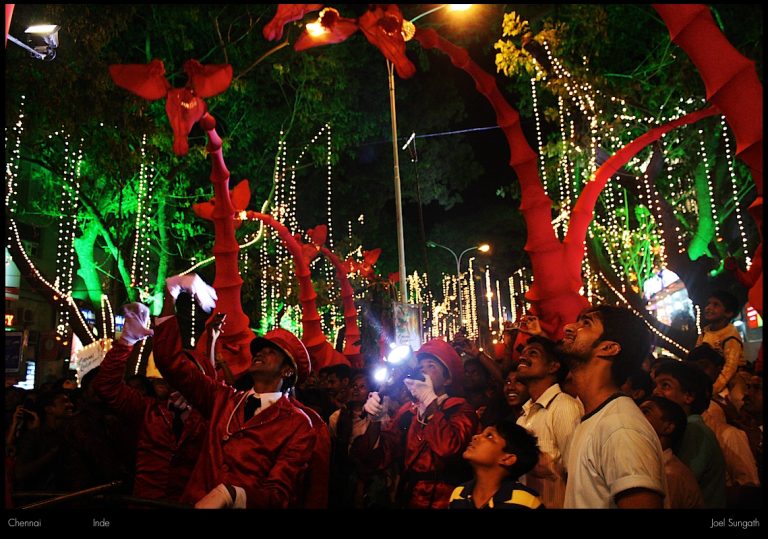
(612, 450)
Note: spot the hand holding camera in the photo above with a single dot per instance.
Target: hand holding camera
(422, 391)
(529, 324)
(374, 406)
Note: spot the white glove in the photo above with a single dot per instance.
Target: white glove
(219, 498)
(374, 407)
(204, 294)
(423, 392)
(135, 325)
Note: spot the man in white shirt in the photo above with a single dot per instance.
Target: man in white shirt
(615, 458)
(550, 415)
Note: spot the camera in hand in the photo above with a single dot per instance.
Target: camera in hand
(415, 374)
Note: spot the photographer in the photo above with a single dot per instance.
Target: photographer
(428, 435)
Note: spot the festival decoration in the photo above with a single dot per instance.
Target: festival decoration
(382, 26)
(184, 106)
(555, 293)
(320, 350)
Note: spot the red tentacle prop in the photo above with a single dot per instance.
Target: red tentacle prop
(382, 26)
(286, 13)
(335, 30)
(554, 299)
(554, 294)
(8, 17)
(583, 211)
(351, 329)
(236, 337)
(320, 350)
(730, 79)
(183, 106)
(731, 84)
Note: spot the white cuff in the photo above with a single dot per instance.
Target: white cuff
(240, 498)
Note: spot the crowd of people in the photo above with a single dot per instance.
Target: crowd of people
(590, 421)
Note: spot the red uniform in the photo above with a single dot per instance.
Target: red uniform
(319, 473)
(163, 462)
(431, 452)
(267, 455)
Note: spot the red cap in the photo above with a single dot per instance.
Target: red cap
(445, 353)
(291, 345)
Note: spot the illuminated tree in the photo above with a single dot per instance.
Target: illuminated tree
(679, 205)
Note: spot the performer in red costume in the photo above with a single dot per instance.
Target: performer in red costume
(259, 444)
(170, 432)
(429, 435)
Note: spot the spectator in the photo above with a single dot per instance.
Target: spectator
(499, 456)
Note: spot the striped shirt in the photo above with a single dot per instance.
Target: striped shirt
(511, 495)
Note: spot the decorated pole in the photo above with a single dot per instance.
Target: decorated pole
(236, 335)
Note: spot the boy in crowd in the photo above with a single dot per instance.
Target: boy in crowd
(719, 312)
(499, 456)
(668, 420)
(686, 384)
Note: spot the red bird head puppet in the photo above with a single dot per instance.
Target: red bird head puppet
(240, 196)
(382, 25)
(317, 237)
(184, 106)
(364, 268)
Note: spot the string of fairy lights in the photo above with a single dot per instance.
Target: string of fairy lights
(67, 227)
(636, 254)
(735, 190)
(11, 200)
(272, 298)
(275, 263)
(656, 332)
(140, 256)
(331, 326)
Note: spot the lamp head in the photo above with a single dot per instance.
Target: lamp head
(48, 33)
(484, 248)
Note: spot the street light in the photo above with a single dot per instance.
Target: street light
(408, 31)
(48, 34)
(483, 248)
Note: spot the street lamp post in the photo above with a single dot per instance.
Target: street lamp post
(483, 248)
(396, 160)
(398, 198)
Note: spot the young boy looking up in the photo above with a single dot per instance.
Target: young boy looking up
(499, 456)
(720, 310)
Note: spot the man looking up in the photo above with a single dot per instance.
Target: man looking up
(258, 444)
(615, 458)
(549, 414)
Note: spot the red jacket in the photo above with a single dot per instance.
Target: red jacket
(163, 463)
(318, 476)
(266, 455)
(431, 453)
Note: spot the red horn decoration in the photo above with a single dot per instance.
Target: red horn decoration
(320, 350)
